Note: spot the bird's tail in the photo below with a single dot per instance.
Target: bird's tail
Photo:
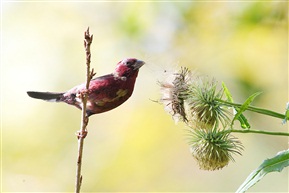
(48, 96)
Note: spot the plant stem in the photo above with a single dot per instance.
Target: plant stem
(81, 135)
(255, 109)
(84, 119)
(257, 131)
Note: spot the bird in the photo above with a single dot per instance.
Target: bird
(104, 93)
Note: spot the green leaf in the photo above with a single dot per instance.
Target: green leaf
(227, 93)
(245, 106)
(241, 118)
(244, 122)
(275, 164)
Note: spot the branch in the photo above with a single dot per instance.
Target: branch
(255, 109)
(81, 134)
(256, 131)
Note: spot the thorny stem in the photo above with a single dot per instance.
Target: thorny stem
(84, 119)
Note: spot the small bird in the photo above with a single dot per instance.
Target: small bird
(105, 92)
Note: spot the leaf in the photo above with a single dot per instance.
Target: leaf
(241, 118)
(245, 105)
(227, 93)
(275, 164)
(244, 122)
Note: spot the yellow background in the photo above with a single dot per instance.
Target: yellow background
(136, 147)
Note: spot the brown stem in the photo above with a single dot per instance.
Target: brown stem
(81, 134)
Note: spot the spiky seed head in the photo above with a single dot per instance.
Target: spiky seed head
(213, 149)
(203, 101)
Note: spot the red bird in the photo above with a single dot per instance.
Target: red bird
(105, 92)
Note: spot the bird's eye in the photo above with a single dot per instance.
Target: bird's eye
(129, 63)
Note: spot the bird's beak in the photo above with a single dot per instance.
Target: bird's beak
(138, 64)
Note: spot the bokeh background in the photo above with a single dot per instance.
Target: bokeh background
(136, 147)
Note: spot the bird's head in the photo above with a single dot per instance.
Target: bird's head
(128, 67)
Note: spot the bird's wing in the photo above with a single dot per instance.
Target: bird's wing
(106, 88)
(105, 93)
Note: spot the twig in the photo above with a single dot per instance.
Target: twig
(84, 119)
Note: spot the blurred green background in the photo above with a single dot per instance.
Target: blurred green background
(136, 147)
